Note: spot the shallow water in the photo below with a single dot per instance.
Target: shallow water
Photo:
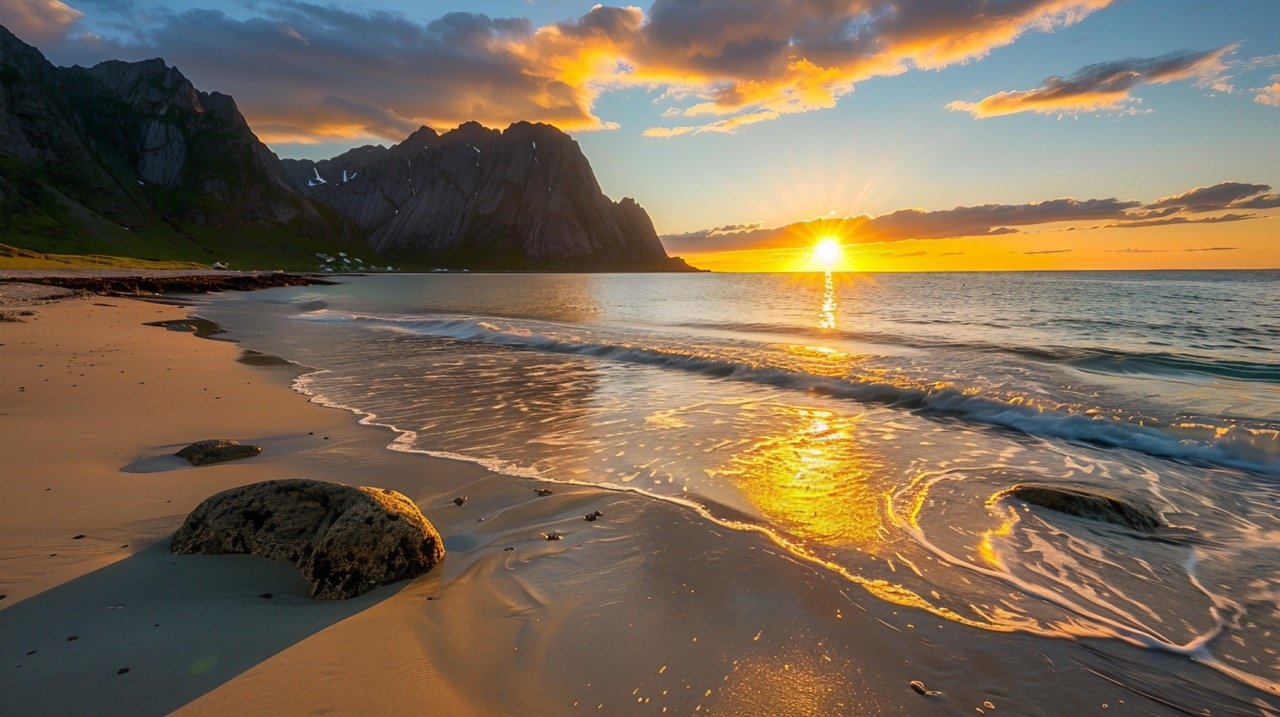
(866, 423)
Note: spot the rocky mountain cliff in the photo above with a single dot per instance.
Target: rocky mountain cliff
(130, 158)
(480, 198)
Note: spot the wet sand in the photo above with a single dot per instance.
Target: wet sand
(647, 610)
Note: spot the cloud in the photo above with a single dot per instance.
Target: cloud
(1136, 251)
(1217, 197)
(1104, 86)
(987, 220)
(40, 21)
(1138, 224)
(1269, 95)
(1049, 251)
(302, 69)
(1215, 248)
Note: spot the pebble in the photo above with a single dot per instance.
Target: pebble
(460, 500)
(506, 549)
(73, 638)
(542, 491)
(553, 535)
(122, 670)
(591, 517)
(78, 537)
(266, 596)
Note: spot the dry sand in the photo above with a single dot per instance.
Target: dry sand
(649, 610)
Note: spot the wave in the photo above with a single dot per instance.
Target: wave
(1254, 449)
(1096, 360)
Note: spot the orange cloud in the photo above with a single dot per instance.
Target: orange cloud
(1269, 95)
(1104, 86)
(38, 20)
(323, 73)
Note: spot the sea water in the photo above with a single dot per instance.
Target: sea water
(869, 424)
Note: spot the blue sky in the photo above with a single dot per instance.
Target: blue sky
(1197, 104)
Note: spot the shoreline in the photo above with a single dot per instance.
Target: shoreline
(649, 607)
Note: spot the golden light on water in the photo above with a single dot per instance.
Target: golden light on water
(827, 315)
(812, 478)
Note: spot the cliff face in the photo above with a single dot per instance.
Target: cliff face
(131, 159)
(475, 197)
(131, 156)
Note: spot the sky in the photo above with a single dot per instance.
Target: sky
(919, 134)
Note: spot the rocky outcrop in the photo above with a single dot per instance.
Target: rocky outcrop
(474, 197)
(1090, 506)
(344, 540)
(216, 451)
(130, 156)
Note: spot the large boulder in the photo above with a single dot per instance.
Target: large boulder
(344, 540)
(216, 451)
(1091, 506)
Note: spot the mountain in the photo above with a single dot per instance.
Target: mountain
(131, 159)
(474, 197)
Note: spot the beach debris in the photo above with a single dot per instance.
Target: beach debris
(344, 540)
(552, 535)
(591, 517)
(460, 500)
(918, 686)
(1089, 505)
(217, 450)
(542, 492)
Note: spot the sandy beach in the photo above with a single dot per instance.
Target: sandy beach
(649, 610)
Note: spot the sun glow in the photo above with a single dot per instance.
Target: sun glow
(828, 253)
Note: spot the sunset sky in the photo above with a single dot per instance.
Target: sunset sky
(923, 134)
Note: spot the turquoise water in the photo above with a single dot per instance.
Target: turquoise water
(866, 423)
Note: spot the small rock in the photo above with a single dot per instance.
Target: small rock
(918, 686)
(591, 517)
(542, 491)
(216, 451)
(266, 596)
(30, 653)
(1090, 506)
(73, 638)
(553, 535)
(460, 500)
(122, 670)
(506, 549)
(78, 537)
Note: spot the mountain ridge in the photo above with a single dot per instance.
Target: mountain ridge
(130, 158)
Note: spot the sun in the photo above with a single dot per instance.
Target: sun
(828, 253)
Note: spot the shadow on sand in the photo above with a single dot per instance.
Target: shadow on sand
(155, 631)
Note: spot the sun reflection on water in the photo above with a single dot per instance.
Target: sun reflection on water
(812, 478)
(827, 317)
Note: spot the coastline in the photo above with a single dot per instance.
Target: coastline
(650, 607)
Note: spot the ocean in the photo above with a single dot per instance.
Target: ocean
(867, 424)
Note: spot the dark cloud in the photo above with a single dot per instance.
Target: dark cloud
(1215, 248)
(1049, 251)
(987, 220)
(1136, 251)
(1138, 224)
(1104, 86)
(1224, 195)
(904, 224)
